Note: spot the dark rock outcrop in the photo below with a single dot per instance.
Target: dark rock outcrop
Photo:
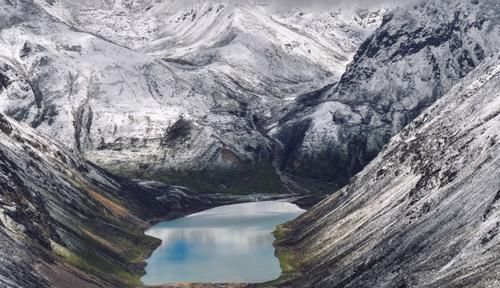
(414, 58)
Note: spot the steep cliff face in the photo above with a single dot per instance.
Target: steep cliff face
(415, 57)
(424, 213)
(65, 222)
(152, 89)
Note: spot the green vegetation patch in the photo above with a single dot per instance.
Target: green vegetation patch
(94, 264)
(288, 259)
(245, 180)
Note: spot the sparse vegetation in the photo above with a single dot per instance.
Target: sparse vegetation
(258, 178)
(92, 263)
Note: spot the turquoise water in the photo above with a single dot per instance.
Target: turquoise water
(225, 244)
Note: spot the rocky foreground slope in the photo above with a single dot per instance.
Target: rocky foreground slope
(67, 223)
(424, 213)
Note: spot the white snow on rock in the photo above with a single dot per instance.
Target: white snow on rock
(425, 212)
(419, 52)
(110, 78)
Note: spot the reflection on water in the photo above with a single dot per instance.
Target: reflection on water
(225, 244)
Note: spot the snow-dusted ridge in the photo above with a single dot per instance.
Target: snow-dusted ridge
(425, 212)
(162, 89)
(141, 87)
(415, 57)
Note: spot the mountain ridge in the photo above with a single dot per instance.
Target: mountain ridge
(423, 213)
(84, 77)
(419, 52)
(65, 220)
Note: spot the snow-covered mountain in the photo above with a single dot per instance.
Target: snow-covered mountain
(415, 57)
(424, 213)
(239, 97)
(147, 88)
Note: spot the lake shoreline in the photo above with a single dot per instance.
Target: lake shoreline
(218, 200)
(204, 285)
(178, 225)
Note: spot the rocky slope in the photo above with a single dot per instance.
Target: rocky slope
(415, 57)
(158, 89)
(175, 89)
(424, 213)
(65, 222)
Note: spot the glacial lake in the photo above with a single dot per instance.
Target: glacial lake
(228, 244)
